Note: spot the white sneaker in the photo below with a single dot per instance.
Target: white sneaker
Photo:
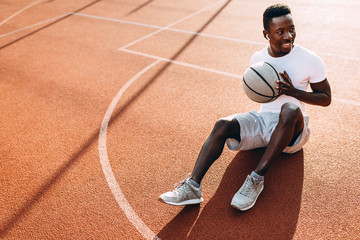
(247, 195)
(184, 194)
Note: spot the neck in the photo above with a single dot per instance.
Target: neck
(278, 54)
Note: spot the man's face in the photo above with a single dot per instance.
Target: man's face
(282, 35)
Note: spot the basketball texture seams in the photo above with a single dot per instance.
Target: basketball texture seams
(259, 82)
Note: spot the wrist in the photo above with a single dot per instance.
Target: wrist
(297, 93)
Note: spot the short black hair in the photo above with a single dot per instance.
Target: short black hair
(273, 11)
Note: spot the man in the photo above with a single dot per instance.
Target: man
(280, 126)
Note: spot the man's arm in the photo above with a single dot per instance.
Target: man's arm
(320, 95)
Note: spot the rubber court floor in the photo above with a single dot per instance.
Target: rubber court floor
(105, 105)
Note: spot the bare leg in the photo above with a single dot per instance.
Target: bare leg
(291, 123)
(214, 146)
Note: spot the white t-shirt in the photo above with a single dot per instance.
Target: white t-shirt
(302, 66)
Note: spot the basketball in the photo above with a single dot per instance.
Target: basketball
(259, 82)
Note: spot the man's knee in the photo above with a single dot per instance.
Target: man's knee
(227, 128)
(290, 114)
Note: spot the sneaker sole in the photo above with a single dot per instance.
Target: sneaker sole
(247, 208)
(187, 202)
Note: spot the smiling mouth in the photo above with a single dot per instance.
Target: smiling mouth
(287, 45)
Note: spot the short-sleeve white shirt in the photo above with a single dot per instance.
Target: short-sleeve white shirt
(303, 67)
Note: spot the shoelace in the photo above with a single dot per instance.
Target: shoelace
(180, 184)
(248, 188)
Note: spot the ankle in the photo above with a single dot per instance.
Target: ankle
(257, 176)
(194, 183)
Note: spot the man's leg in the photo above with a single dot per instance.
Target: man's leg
(289, 127)
(214, 146)
(189, 191)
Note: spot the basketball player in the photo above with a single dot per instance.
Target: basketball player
(280, 126)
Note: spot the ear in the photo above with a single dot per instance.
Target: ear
(266, 35)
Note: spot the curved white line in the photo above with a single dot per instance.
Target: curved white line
(20, 11)
(142, 228)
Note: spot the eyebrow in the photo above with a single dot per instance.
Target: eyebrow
(282, 28)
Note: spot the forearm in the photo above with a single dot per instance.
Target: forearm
(320, 95)
(314, 98)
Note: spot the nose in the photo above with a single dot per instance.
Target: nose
(288, 35)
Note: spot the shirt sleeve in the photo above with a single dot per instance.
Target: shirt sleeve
(252, 60)
(317, 72)
(255, 58)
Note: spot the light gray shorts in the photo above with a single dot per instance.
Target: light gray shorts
(256, 129)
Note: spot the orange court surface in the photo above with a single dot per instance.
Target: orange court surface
(105, 104)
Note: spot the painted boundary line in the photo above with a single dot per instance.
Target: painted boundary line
(171, 24)
(36, 24)
(183, 63)
(20, 11)
(347, 101)
(168, 29)
(171, 29)
(199, 34)
(342, 100)
(141, 227)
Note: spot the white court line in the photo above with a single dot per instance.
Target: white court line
(199, 34)
(142, 228)
(342, 100)
(170, 25)
(20, 11)
(347, 101)
(183, 64)
(36, 24)
(171, 29)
